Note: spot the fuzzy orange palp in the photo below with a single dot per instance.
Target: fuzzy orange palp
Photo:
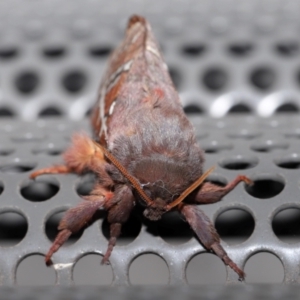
(83, 154)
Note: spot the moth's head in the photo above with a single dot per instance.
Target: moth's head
(155, 211)
(160, 205)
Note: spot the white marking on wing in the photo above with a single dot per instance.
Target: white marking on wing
(133, 40)
(113, 79)
(111, 109)
(153, 50)
(115, 76)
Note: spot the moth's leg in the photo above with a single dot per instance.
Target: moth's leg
(118, 214)
(210, 193)
(82, 155)
(75, 218)
(57, 169)
(207, 234)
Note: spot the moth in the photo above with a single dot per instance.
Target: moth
(144, 150)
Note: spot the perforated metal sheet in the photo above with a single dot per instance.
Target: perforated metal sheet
(225, 57)
(265, 150)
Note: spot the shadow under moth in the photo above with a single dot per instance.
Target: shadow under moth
(142, 139)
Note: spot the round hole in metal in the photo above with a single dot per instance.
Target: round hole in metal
(215, 147)
(266, 186)
(9, 52)
(50, 111)
(287, 108)
(298, 77)
(240, 109)
(264, 267)
(241, 49)
(6, 112)
(193, 109)
(54, 51)
(54, 152)
(263, 77)
(193, 50)
(289, 162)
(176, 76)
(285, 225)
(74, 81)
(49, 149)
(287, 48)
(130, 230)
(13, 228)
(88, 112)
(32, 271)
(13, 168)
(52, 231)
(88, 270)
(234, 225)
(100, 51)
(269, 145)
(148, 269)
(6, 151)
(239, 163)
(215, 78)
(217, 180)
(27, 81)
(206, 268)
(173, 229)
(86, 184)
(40, 190)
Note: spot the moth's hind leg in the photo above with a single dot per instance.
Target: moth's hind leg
(82, 155)
(207, 234)
(118, 214)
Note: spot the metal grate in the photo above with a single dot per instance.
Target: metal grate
(226, 58)
(251, 221)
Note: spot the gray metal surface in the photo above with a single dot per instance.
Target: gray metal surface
(274, 169)
(145, 293)
(226, 57)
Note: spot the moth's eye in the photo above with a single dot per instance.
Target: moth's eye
(147, 191)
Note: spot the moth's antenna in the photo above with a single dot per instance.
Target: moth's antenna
(132, 179)
(190, 189)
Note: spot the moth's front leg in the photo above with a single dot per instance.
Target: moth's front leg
(207, 234)
(118, 214)
(211, 193)
(57, 169)
(77, 217)
(82, 155)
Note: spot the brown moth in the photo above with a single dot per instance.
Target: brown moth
(145, 151)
